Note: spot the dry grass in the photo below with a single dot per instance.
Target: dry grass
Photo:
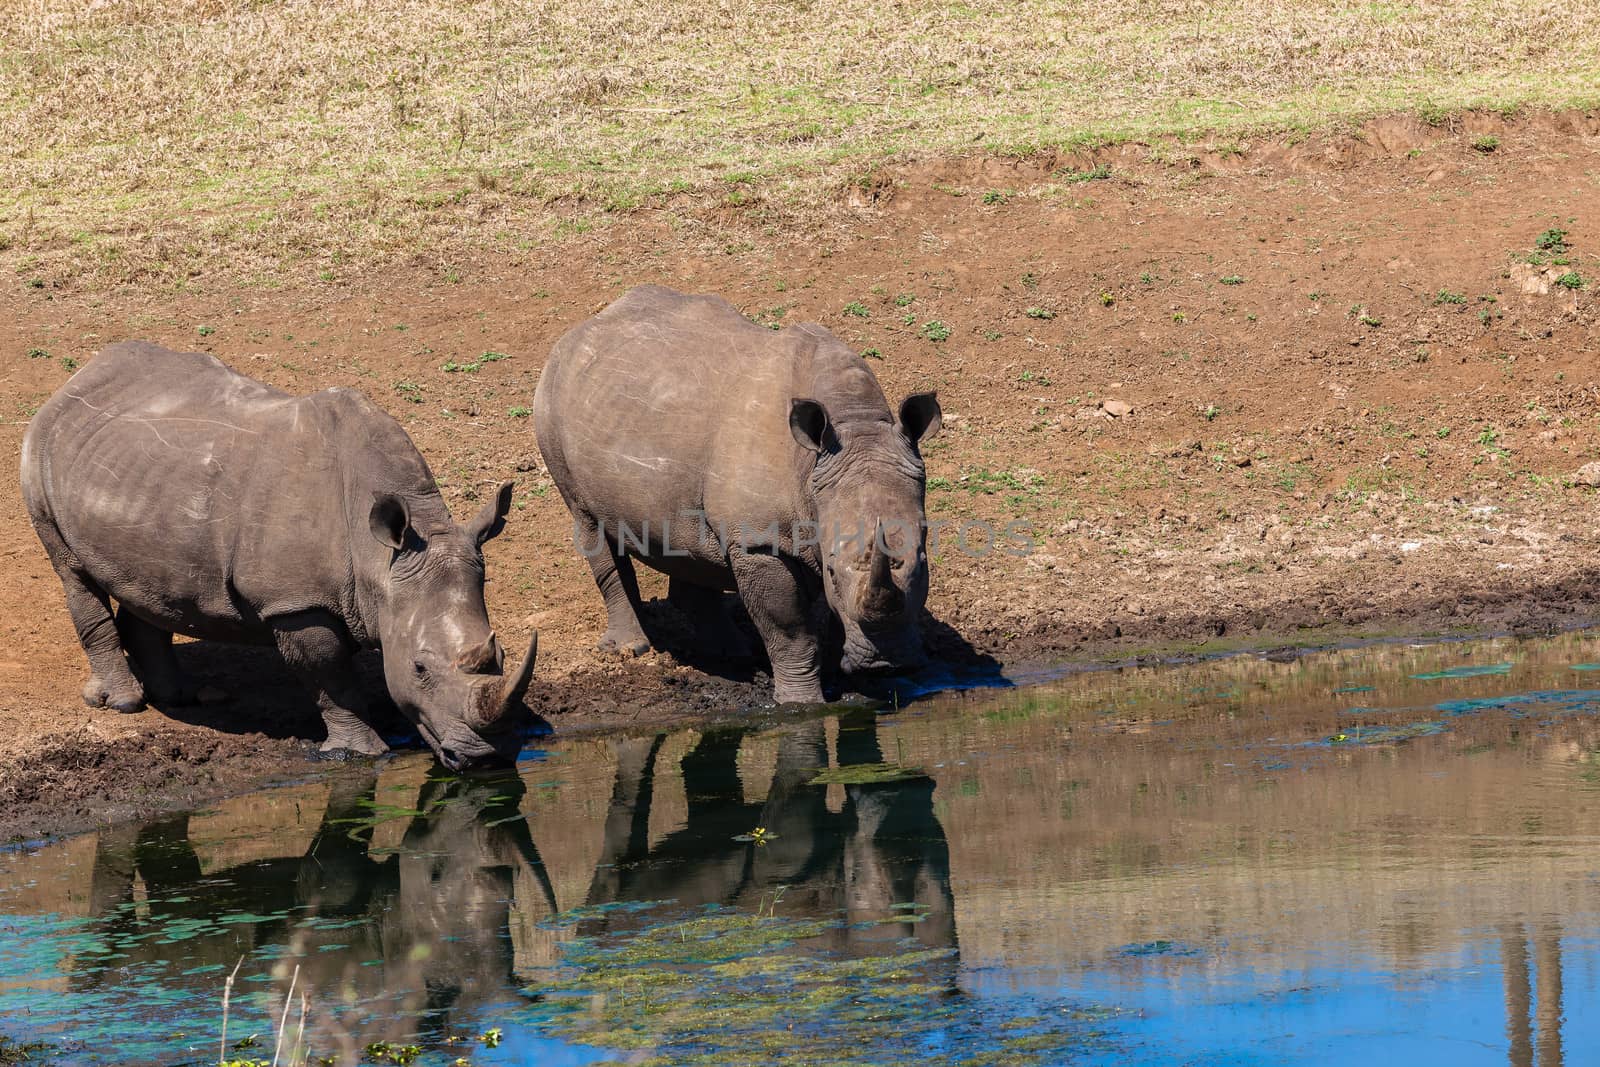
(157, 139)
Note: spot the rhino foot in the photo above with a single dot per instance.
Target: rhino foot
(341, 754)
(127, 697)
(801, 692)
(346, 743)
(628, 645)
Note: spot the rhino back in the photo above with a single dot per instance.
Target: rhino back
(200, 499)
(666, 403)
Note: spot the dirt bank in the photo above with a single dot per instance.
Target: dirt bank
(1277, 394)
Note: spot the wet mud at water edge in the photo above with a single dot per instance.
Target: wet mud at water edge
(1370, 854)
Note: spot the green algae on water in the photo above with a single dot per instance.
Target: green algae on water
(867, 774)
(1468, 671)
(728, 987)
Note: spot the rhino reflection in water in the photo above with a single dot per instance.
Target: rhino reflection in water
(884, 848)
(416, 942)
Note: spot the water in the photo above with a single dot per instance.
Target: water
(1374, 854)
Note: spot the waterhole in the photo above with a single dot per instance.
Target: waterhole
(1388, 853)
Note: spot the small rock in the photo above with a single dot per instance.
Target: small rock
(1117, 409)
(1241, 461)
(1588, 474)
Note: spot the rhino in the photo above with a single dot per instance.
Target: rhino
(732, 457)
(207, 504)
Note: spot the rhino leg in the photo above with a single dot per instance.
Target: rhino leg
(613, 573)
(714, 629)
(318, 649)
(111, 682)
(149, 649)
(773, 591)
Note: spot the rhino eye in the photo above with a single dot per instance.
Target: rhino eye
(419, 668)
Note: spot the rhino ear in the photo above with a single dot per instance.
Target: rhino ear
(920, 417)
(808, 421)
(389, 521)
(491, 518)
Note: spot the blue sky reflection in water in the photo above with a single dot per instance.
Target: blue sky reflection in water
(1379, 854)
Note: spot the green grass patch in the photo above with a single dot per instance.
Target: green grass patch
(317, 140)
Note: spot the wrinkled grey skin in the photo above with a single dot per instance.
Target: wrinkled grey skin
(666, 405)
(208, 504)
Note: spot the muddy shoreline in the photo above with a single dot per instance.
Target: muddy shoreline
(81, 780)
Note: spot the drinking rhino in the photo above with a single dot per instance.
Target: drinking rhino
(208, 504)
(729, 456)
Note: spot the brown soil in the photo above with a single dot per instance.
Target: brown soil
(1354, 408)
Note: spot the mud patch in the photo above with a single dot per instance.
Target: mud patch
(79, 780)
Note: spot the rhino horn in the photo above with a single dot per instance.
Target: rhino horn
(881, 597)
(483, 658)
(494, 700)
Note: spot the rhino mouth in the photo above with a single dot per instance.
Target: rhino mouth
(460, 750)
(877, 653)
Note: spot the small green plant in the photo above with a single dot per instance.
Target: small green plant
(1179, 317)
(1099, 172)
(1551, 240)
(1036, 379)
(410, 390)
(1040, 313)
(1433, 115)
(934, 330)
(1231, 279)
(871, 353)
(1147, 278)
(1030, 280)
(519, 412)
(491, 1038)
(388, 1052)
(38, 353)
(857, 308)
(206, 331)
(1445, 296)
(35, 283)
(1210, 412)
(1363, 316)
(1570, 280)
(68, 364)
(1487, 143)
(995, 196)
(992, 335)
(904, 300)
(1106, 300)
(452, 367)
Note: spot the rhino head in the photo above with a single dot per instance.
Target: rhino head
(868, 484)
(443, 664)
